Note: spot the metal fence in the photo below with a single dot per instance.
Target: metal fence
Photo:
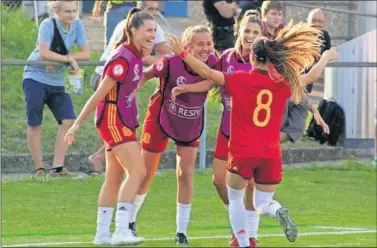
(202, 156)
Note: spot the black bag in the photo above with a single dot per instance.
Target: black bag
(57, 44)
(333, 115)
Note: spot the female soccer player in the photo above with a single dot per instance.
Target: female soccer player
(116, 121)
(258, 100)
(237, 59)
(180, 120)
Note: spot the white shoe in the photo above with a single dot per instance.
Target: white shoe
(102, 239)
(125, 237)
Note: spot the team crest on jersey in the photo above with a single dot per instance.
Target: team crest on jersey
(118, 70)
(136, 72)
(181, 81)
(160, 66)
(230, 70)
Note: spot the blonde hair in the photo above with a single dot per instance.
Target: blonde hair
(294, 49)
(250, 16)
(55, 5)
(192, 30)
(316, 10)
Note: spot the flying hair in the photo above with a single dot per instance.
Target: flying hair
(294, 49)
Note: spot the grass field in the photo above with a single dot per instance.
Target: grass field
(333, 206)
(18, 40)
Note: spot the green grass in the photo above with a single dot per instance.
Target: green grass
(65, 210)
(18, 41)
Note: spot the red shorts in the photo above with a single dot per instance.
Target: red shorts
(263, 170)
(111, 129)
(222, 148)
(153, 138)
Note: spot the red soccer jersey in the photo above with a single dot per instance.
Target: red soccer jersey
(258, 105)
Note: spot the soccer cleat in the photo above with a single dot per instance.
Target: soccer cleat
(102, 240)
(288, 225)
(253, 243)
(63, 173)
(125, 237)
(233, 241)
(132, 227)
(180, 239)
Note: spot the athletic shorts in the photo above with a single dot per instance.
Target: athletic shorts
(222, 148)
(37, 95)
(153, 138)
(294, 121)
(112, 131)
(262, 170)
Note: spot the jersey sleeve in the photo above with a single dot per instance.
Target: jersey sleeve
(160, 67)
(117, 69)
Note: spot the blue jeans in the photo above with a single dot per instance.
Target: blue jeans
(113, 16)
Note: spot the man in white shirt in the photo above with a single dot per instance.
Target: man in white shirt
(160, 48)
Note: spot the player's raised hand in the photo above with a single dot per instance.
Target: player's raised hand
(176, 91)
(175, 44)
(331, 54)
(70, 135)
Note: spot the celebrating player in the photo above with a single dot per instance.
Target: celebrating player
(180, 120)
(116, 120)
(258, 100)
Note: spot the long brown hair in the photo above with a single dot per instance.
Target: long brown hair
(250, 16)
(294, 49)
(135, 19)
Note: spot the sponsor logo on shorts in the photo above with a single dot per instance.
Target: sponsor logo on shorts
(146, 138)
(126, 131)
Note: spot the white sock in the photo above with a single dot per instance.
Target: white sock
(227, 207)
(104, 216)
(139, 199)
(237, 216)
(252, 223)
(123, 215)
(264, 203)
(183, 217)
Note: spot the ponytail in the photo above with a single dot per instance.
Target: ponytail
(127, 34)
(294, 49)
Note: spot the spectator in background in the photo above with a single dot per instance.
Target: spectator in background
(160, 48)
(45, 84)
(317, 19)
(246, 5)
(116, 11)
(272, 16)
(221, 15)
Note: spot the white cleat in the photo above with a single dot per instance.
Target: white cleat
(102, 240)
(126, 237)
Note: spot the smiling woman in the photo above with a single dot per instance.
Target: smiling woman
(56, 37)
(116, 121)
